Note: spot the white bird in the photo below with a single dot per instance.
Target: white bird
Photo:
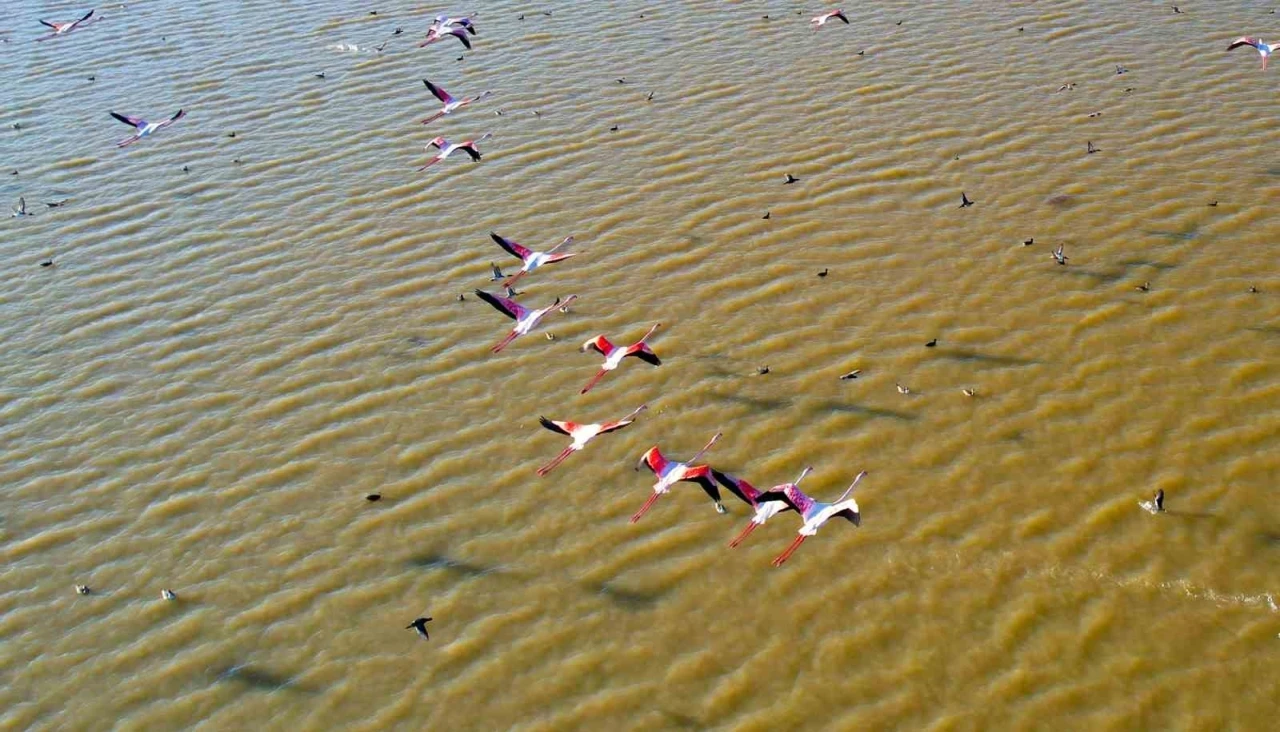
(613, 355)
(61, 29)
(21, 209)
(821, 20)
(446, 148)
(144, 127)
(1264, 49)
(526, 319)
(450, 104)
(582, 434)
(814, 513)
(747, 492)
(531, 259)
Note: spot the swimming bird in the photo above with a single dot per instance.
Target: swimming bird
(902, 389)
(582, 434)
(1028, 242)
(82, 589)
(21, 208)
(824, 272)
(821, 20)
(61, 29)
(144, 127)
(1156, 504)
(1059, 256)
(1264, 49)
(420, 624)
(450, 104)
(790, 179)
(931, 343)
(814, 513)
(55, 204)
(669, 473)
(851, 375)
(446, 148)
(1144, 287)
(764, 511)
(525, 318)
(169, 595)
(613, 355)
(436, 32)
(968, 392)
(964, 200)
(532, 260)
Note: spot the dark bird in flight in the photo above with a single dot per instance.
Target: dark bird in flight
(420, 624)
(964, 200)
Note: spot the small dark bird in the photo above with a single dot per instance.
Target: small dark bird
(1095, 114)
(185, 169)
(231, 134)
(397, 31)
(459, 58)
(613, 129)
(82, 589)
(931, 344)
(823, 273)
(964, 200)
(93, 78)
(1029, 242)
(380, 46)
(47, 263)
(766, 215)
(622, 81)
(1121, 70)
(17, 125)
(55, 204)
(320, 75)
(462, 298)
(790, 179)
(521, 17)
(1058, 255)
(862, 53)
(898, 23)
(420, 626)
(496, 272)
(373, 12)
(1176, 10)
(649, 98)
(21, 208)
(851, 375)
(1213, 204)
(512, 294)
(372, 497)
(1144, 287)
(1253, 289)
(1020, 29)
(762, 370)
(1091, 149)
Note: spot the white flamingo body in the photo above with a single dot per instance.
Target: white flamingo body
(1264, 49)
(581, 434)
(142, 127)
(526, 318)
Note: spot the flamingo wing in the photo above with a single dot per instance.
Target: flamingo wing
(180, 114)
(564, 428)
(600, 345)
(1242, 41)
(707, 484)
(777, 495)
(509, 308)
(737, 486)
(439, 93)
(557, 257)
(611, 426)
(470, 149)
(131, 121)
(51, 25)
(653, 460)
(644, 354)
(512, 248)
(849, 515)
(461, 35)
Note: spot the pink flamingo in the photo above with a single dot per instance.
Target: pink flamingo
(1264, 49)
(61, 29)
(525, 318)
(582, 434)
(613, 355)
(144, 127)
(450, 104)
(669, 473)
(446, 148)
(532, 260)
(440, 30)
(821, 20)
(749, 493)
(814, 513)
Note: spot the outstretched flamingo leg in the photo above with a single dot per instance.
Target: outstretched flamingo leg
(647, 505)
(433, 118)
(128, 141)
(512, 279)
(430, 163)
(745, 533)
(503, 344)
(790, 550)
(559, 459)
(593, 381)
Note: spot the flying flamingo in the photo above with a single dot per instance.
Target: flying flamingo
(821, 20)
(532, 260)
(61, 29)
(446, 148)
(1264, 49)
(450, 104)
(814, 513)
(444, 22)
(438, 31)
(525, 318)
(669, 473)
(582, 434)
(749, 493)
(613, 355)
(144, 127)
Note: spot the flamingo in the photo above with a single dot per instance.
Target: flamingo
(525, 318)
(582, 434)
(446, 148)
(144, 127)
(450, 104)
(613, 355)
(438, 31)
(61, 29)
(444, 21)
(821, 20)
(669, 473)
(532, 260)
(1264, 49)
(814, 513)
(749, 493)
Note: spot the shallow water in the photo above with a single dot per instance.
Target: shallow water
(223, 362)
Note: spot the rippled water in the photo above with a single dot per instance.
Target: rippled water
(223, 361)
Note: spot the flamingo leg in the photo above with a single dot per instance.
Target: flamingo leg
(512, 279)
(647, 505)
(593, 381)
(433, 118)
(503, 344)
(558, 459)
(789, 551)
(128, 141)
(430, 163)
(745, 533)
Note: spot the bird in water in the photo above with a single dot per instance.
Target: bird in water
(1264, 49)
(446, 148)
(790, 179)
(420, 625)
(851, 375)
(144, 127)
(902, 389)
(821, 20)
(61, 29)
(450, 104)
(964, 200)
(824, 272)
(1156, 504)
(614, 355)
(1144, 287)
(670, 472)
(82, 589)
(814, 513)
(526, 319)
(55, 204)
(531, 259)
(1059, 256)
(1029, 242)
(968, 392)
(581, 434)
(169, 595)
(932, 343)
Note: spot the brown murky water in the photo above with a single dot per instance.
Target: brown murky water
(223, 362)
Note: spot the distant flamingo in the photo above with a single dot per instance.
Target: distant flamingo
(525, 318)
(669, 473)
(821, 20)
(748, 493)
(814, 513)
(613, 355)
(450, 104)
(446, 148)
(1264, 49)
(444, 21)
(438, 31)
(144, 127)
(61, 29)
(581, 434)
(532, 260)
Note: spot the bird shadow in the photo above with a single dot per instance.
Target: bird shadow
(1190, 514)
(260, 680)
(628, 599)
(1188, 235)
(865, 411)
(1270, 538)
(986, 358)
(1162, 266)
(756, 403)
(1094, 274)
(449, 564)
(1270, 330)
(682, 721)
